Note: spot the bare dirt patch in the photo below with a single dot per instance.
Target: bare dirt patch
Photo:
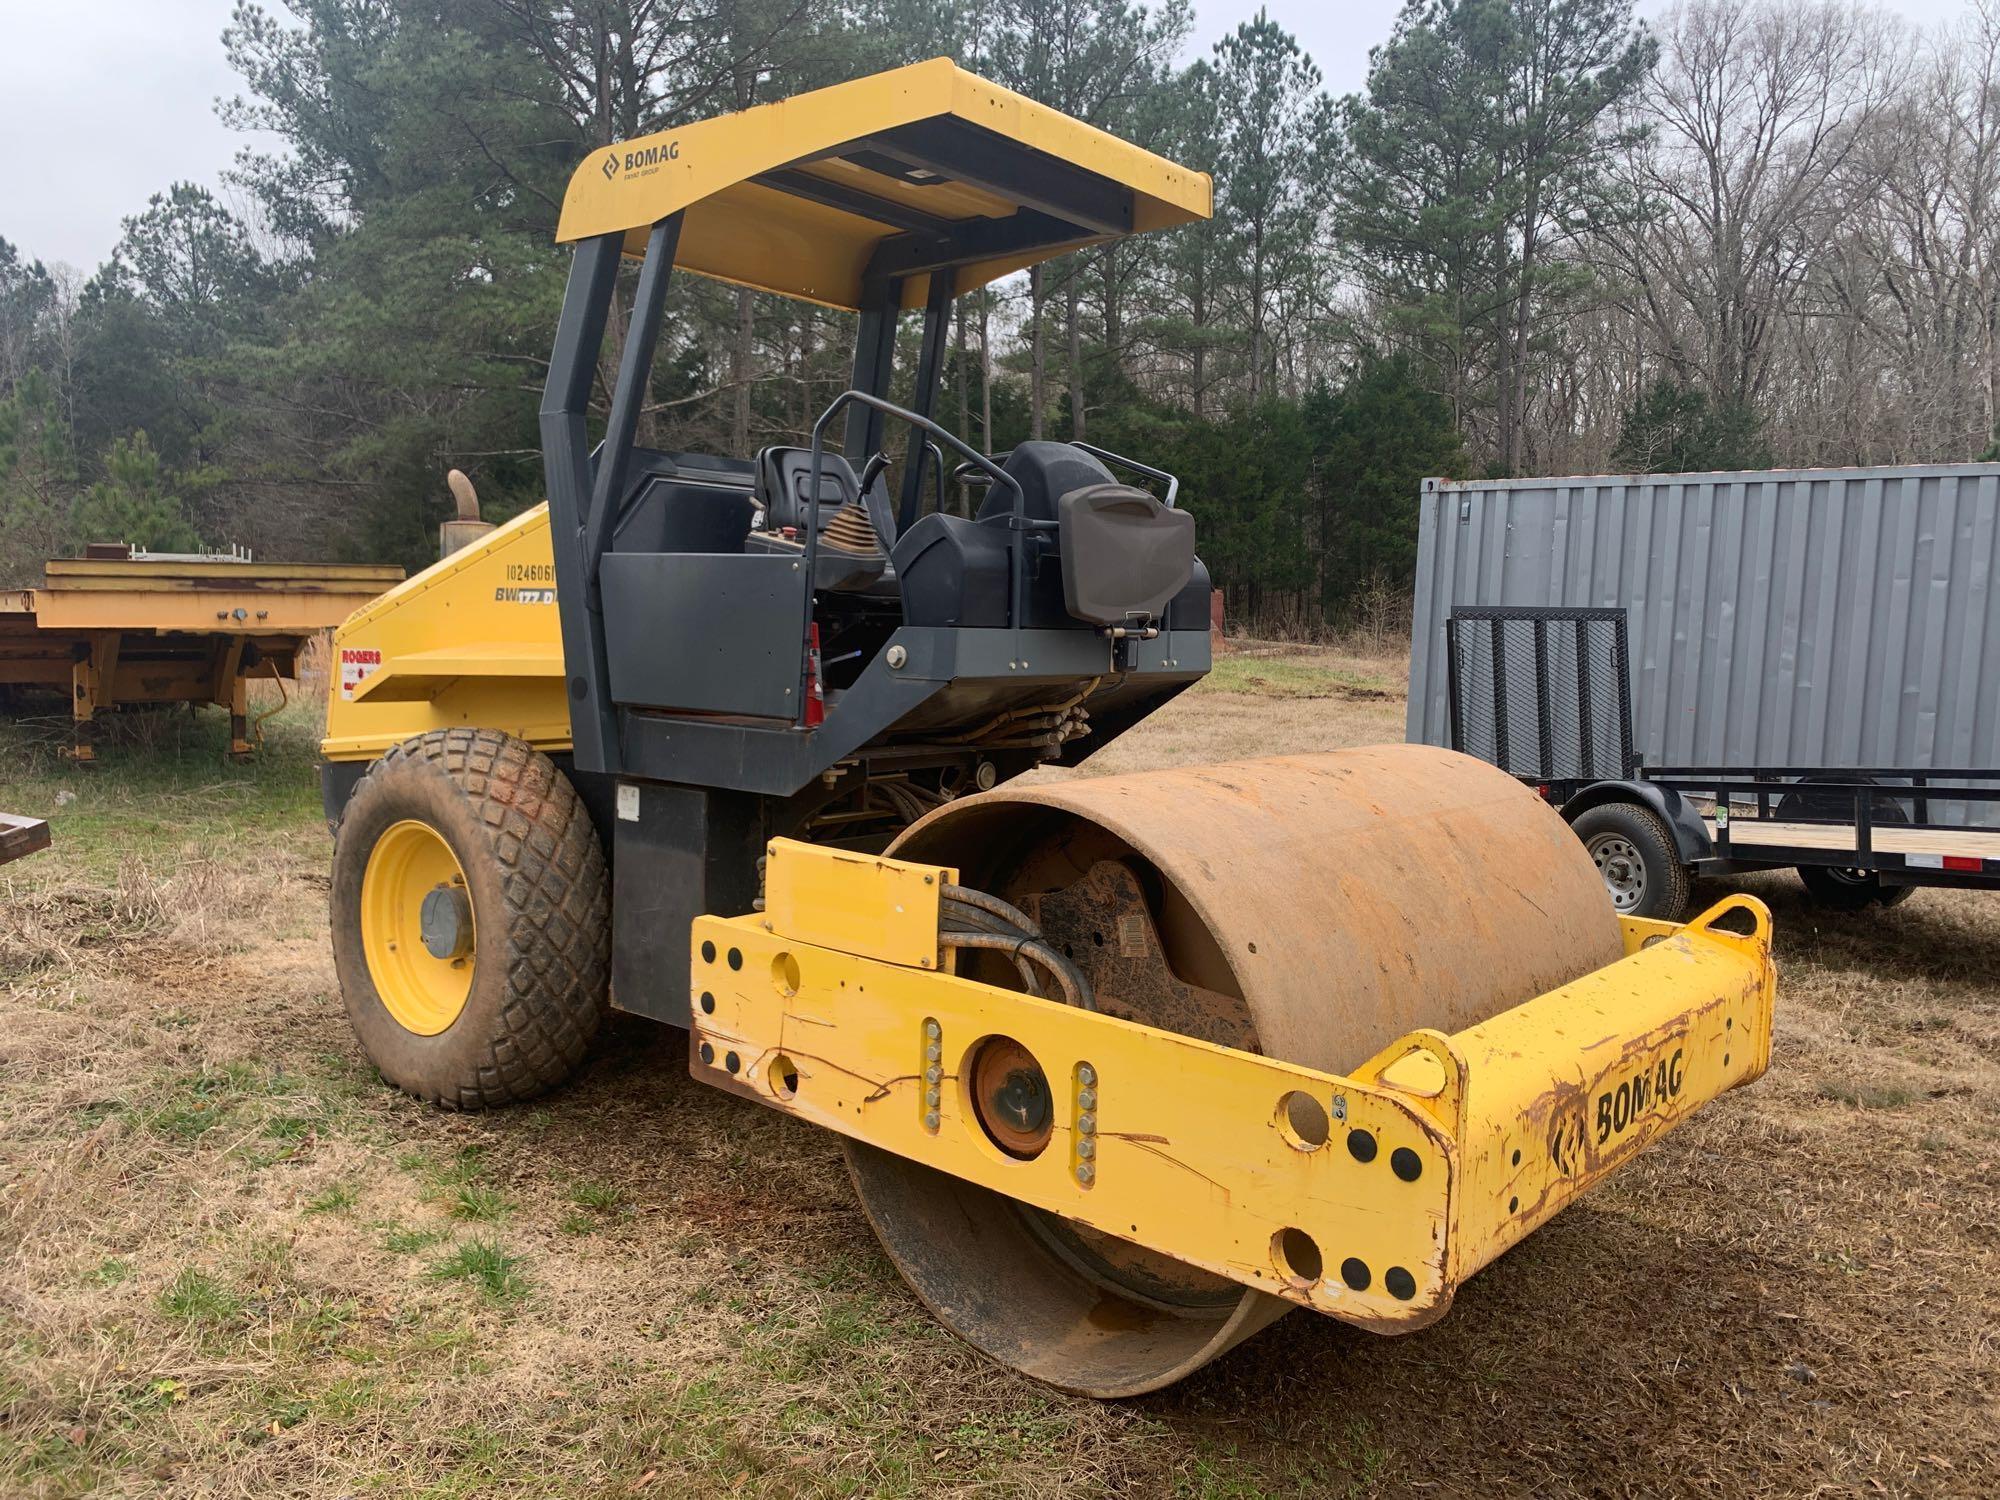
(231, 1263)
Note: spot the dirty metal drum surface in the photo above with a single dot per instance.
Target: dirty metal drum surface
(1313, 908)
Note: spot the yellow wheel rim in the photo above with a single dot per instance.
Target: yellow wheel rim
(417, 928)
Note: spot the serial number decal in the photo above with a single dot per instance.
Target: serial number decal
(524, 596)
(531, 572)
(1618, 1109)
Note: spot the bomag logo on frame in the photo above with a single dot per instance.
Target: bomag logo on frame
(641, 161)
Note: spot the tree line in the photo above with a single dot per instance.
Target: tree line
(1543, 238)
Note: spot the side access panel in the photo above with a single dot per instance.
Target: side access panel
(677, 852)
(705, 632)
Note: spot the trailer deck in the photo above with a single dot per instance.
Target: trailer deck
(1943, 843)
(118, 629)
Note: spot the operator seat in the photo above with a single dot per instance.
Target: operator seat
(1104, 554)
(852, 559)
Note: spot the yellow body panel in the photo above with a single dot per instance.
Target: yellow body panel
(864, 904)
(739, 231)
(1195, 1150)
(472, 641)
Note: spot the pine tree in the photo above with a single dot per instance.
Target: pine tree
(132, 503)
(1479, 155)
(1673, 428)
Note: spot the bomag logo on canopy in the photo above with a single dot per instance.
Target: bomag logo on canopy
(640, 161)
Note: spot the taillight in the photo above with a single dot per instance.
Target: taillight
(815, 680)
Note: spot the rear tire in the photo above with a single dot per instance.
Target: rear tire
(1850, 890)
(471, 925)
(1839, 889)
(1634, 852)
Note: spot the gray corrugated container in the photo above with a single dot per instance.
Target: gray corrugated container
(1812, 617)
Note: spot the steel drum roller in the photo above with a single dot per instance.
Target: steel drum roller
(1313, 908)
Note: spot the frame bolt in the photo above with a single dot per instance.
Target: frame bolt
(931, 1121)
(1086, 1074)
(933, 1052)
(932, 1030)
(1085, 1173)
(1086, 1147)
(1086, 1123)
(897, 656)
(933, 1073)
(1087, 1099)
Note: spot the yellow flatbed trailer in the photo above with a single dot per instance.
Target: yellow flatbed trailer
(118, 632)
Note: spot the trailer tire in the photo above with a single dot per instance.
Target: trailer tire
(471, 919)
(1850, 890)
(1634, 850)
(1838, 889)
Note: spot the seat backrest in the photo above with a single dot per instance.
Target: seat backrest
(1124, 554)
(784, 482)
(1046, 471)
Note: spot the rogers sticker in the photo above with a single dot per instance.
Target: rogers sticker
(355, 665)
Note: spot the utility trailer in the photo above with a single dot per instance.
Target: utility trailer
(120, 628)
(1544, 694)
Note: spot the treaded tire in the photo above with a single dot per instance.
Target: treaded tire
(1668, 885)
(1844, 890)
(540, 895)
(1837, 890)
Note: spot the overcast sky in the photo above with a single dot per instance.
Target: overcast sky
(104, 103)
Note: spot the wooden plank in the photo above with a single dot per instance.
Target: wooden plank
(1746, 833)
(21, 836)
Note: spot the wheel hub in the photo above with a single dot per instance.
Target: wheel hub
(1010, 1094)
(445, 922)
(1623, 871)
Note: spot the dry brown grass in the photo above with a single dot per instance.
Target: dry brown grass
(232, 1264)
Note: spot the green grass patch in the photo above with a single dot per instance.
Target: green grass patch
(597, 1197)
(337, 1199)
(195, 1296)
(485, 1265)
(478, 1202)
(1288, 677)
(398, 1240)
(1867, 1095)
(162, 781)
(110, 1271)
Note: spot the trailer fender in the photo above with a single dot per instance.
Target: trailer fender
(1691, 838)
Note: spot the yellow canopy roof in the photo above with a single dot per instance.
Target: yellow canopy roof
(891, 176)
